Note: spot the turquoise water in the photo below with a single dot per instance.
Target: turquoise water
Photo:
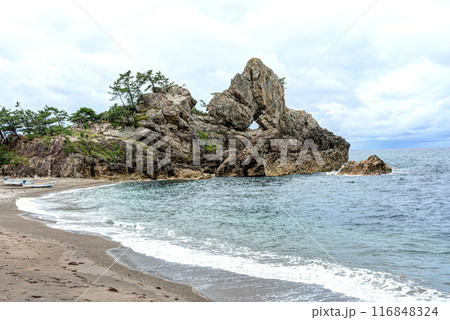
(318, 237)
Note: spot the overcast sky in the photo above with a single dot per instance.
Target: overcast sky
(384, 84)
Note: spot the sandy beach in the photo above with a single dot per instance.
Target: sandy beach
(39, 263)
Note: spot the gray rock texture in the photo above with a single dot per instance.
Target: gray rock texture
(172, 142)
(372, 166)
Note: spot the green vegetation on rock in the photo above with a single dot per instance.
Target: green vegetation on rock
(208, 147)
(127, 90)
(199, 112)
(85, 145)
(48, 121)
(84, 116)
(10, 157)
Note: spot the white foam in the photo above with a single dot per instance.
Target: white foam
(88, 188)
(363, 284)
(359, 283)
(31, 205)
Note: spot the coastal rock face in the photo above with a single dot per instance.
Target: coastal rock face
(52, 158)
(287, 141)
(161, 108)
(173, 142)
(372, 166)
(255, 95)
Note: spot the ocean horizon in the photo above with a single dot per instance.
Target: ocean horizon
(317, 237)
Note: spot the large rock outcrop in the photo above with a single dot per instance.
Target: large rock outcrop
(255, 95)
(67, 157)
(173, 142)
(372, 166)
(290, 141)
(165, 108)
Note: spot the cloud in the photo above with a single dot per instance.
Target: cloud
(385, 80)
(410, 103)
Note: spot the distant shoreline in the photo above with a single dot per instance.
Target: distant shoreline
(39, 263)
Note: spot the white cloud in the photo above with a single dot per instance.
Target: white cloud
(386, 79)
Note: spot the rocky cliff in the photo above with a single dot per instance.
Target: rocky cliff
(172, 142)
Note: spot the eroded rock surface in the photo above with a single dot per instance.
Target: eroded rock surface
(172, 142)
(372, 166)
(254, 95)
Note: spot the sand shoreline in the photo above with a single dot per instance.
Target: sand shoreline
(39, 263)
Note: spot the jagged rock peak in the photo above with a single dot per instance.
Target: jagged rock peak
(256, 94)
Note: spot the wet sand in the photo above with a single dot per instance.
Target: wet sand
(39, 263)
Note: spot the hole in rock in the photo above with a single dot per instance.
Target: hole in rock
(254, 125)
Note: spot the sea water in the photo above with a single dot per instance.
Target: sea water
(319, 237)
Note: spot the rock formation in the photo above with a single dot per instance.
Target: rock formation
(372, 166)
(255, 95)
(258, 95)
(172, 142)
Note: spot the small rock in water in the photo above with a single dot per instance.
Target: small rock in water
(372, 166)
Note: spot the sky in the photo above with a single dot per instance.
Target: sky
(375, 72)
